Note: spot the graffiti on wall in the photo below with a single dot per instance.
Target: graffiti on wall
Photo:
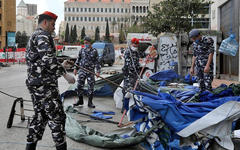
(168, 53)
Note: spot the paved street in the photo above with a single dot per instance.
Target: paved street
(12, 81)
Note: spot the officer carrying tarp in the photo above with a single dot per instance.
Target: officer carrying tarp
(42, 81)
(203, 51)
(88, 59)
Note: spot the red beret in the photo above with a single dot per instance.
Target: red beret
(50, 14)
(135, 40)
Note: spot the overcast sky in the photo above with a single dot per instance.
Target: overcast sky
(55, 6)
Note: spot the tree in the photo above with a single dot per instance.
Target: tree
(67, 34)
(97, 34)
(173, 16)
(75, 33)
(121, 35)
(107, 34)
(71, 35)
(83, 34)
(23, 39)
(18, 38)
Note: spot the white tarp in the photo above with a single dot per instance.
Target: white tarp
(217, 123)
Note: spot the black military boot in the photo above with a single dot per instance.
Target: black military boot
(31, 146)
(62, 146)
(79, 102)
(90, 104)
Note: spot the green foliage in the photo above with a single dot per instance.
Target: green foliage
(67, 34)
(122, 38)
(107, 33)
(21, 39)
(75, 33)
(83, 34)
(71, 36)
(97, 34)
(174, 15)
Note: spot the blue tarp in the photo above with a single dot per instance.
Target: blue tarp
(166, 75)
(178, 115)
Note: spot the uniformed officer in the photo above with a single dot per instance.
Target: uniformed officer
(131, 68)
(88, 59)
(42, 81)
(203, 51)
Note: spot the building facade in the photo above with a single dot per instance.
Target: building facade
(31, 9)
(94, 13)
(225, 18)
(7, 19)
(24, 21)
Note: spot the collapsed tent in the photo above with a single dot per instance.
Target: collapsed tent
(84, 134)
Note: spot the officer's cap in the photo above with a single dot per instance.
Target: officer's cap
(87, 39)
(135, 40)
(50, 14)
(194, 33)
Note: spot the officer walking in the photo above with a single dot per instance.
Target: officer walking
(42, 81)
(88, 59)
(203, 51)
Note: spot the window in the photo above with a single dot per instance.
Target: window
(73, 9)
(81, 9)
(110, 19)
(110, 10)
(97, 9)
(65, 9)
(81, 18)
(89, 19)
(105, 10)
(123, 1)
(133, 9)
(101, 9)
(106, 19)
(114, 19)
(73, 18)
(77, 18)
(85, 9)
(77, 9)
(114, 10)
(101, 18)
(93, 18)
(69, 9)
(97, 18)
(89, 9)
(64, 18)
(117, 10)
(93, 9)
(1, 7)
(0, 30)
(69, 18)
(85, 19)
(126, 10)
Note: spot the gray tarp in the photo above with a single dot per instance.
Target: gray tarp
(84, 134)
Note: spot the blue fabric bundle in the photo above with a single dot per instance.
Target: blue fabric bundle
(166, 75)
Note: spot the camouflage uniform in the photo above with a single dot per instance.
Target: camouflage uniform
(201, 51)
(131, 68)
(88, 59)
(42, 82)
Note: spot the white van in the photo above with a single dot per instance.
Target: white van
(71, 51)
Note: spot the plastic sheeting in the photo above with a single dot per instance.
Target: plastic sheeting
(84, 134)
(166, 75)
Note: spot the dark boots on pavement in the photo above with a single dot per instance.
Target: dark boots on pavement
(62, 146)
(79, 102)
(90, 103)
(31, 146)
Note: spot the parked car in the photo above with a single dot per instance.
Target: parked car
(106, 52)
